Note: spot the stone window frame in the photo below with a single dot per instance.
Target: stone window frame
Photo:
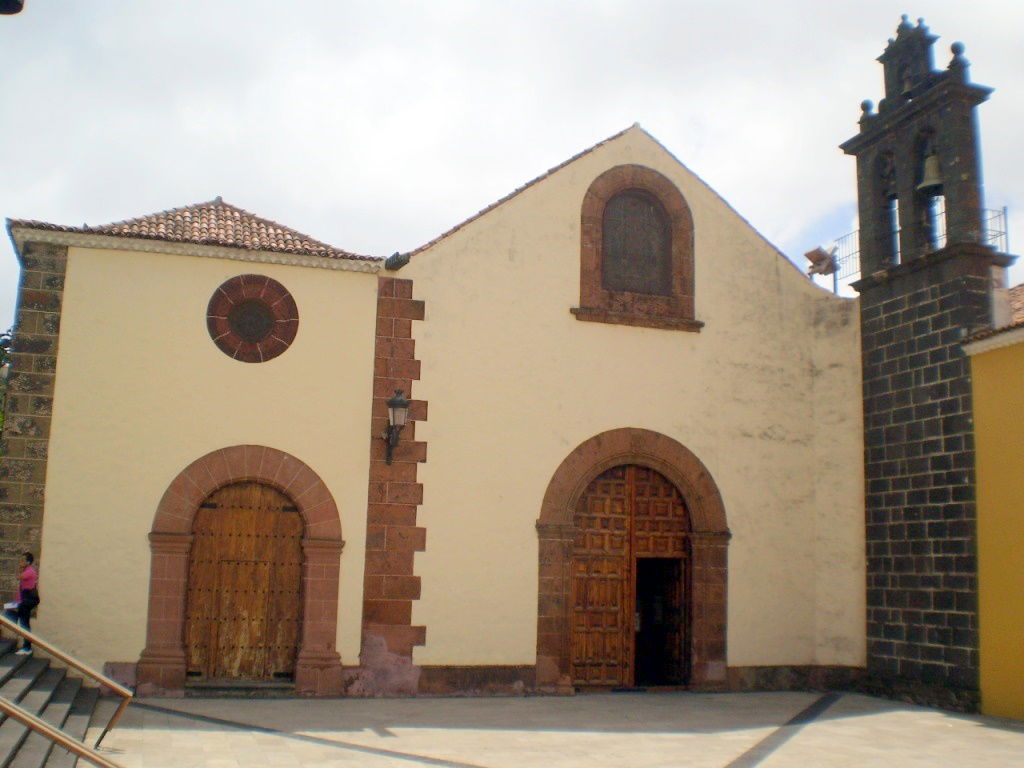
(599, 304)
(273, 297)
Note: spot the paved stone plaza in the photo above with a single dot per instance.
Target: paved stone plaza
(627, 729)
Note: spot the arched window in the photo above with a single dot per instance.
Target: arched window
(888, 210)
(636, 252)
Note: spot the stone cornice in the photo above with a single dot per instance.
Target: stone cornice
(928, 260)
(21, 235)
(881, 125)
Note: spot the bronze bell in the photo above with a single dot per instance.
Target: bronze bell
(931, 177)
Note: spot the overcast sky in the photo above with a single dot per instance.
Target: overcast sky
(376, 126)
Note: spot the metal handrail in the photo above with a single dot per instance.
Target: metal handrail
(55, 735)
(995, 232)
(125, 693)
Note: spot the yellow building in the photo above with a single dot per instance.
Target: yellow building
(997, 369)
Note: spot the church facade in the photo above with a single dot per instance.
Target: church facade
(634, 451)
(612, 474)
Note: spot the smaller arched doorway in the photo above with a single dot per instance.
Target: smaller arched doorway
(701, 560)
(244, 599)
(630, 578)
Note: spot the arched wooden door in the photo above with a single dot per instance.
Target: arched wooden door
(243, 613)
(629, 581)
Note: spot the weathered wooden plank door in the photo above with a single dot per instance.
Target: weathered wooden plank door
(245, 585)
(601, 582)
(625, 513)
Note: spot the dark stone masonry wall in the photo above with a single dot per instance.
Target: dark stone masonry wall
(26, 433)
(919, 469)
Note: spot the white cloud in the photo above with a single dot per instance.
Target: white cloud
(376, 127)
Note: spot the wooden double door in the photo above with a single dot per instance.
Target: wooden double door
(629, 573)
(243, 614)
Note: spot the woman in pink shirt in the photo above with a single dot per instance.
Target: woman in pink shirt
(28, 591)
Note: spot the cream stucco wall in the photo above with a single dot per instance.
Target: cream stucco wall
(767, 395)
(142, 392)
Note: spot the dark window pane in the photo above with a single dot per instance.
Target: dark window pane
(637, 246)
(252, 320)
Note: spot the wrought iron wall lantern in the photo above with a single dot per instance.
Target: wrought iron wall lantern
(398, 412)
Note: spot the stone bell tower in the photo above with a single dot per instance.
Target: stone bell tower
(926, 283)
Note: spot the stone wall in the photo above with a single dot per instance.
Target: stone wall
(919, 467)
(26, 432)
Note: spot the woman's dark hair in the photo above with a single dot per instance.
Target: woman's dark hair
(30, 558)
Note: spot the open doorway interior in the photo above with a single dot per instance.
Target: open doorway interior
(659, 621)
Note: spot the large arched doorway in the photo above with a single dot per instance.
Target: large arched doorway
(629, 571)
(163, 665)
(244, 602)
(696, 565)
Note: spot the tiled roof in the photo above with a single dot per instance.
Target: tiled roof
(995, 331)
(1016, 316)
(212, 223)
(1017, 303)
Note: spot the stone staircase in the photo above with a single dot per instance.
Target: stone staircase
(48, 693)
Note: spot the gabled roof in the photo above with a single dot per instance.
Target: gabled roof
(584, 153)
(519, 190)
(213, 223)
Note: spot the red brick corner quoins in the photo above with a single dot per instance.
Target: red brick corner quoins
(709, 541)
(252, 318)
(318, 671)
(598, 304)
(392, 536)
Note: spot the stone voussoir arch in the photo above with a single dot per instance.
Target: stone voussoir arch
(318, 669)
(709, 539)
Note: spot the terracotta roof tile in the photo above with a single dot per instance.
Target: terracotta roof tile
(1017, 303)
(212, 223)
(994, 331)
(1016, 316)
